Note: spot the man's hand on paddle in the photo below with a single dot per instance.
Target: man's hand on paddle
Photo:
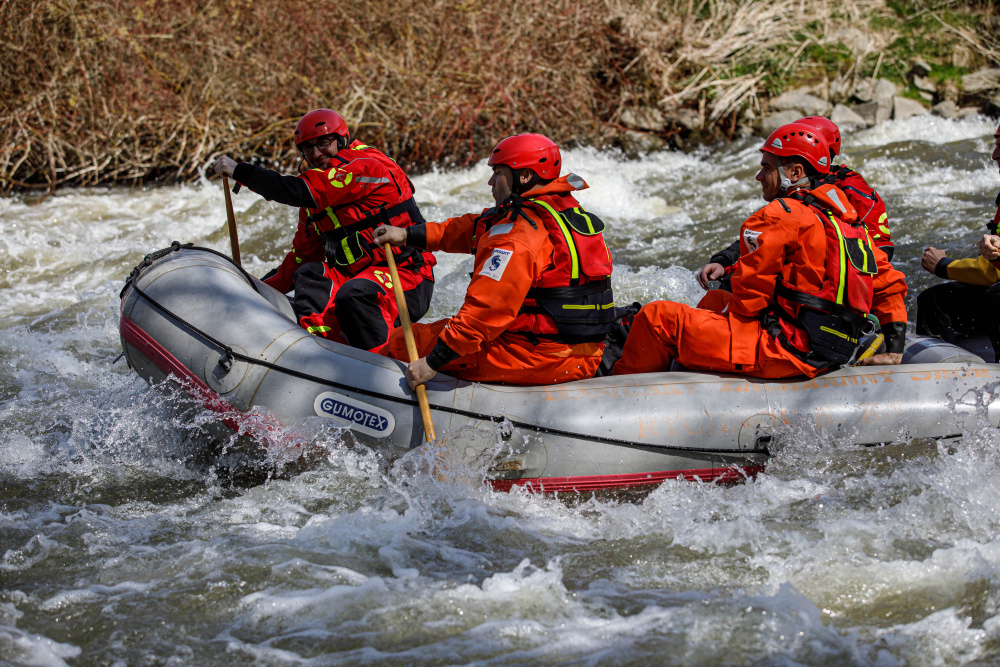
(989, 246)
(224, 165)
(708, 272)
(419, 372)
(931, 258)
(395, 236)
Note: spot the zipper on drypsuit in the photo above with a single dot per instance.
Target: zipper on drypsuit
(834, 318)
(582, 303)
(346, 245)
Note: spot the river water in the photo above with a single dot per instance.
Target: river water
(116, 550)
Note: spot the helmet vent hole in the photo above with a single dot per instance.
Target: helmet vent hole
(542, 159)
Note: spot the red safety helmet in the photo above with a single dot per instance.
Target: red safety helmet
(529, 151)
(801, 140)
(320, 123)
(827, 128)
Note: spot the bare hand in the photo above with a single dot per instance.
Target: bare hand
(389, 234)
(224, 165)
(931, 258)
(989, 246)
(419, 372)
(884, 359)
(708, 272)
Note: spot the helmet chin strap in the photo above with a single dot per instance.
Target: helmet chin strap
(785, 184)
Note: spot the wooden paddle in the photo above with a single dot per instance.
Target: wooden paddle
(411, 344)
(234, 241)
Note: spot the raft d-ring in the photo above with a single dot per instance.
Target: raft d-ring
(226, 361)
(757, 432)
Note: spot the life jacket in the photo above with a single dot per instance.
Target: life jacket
(572, 301)
(869, 206)
(824, 327)
(346, 229)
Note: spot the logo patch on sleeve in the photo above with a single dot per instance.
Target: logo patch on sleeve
(752, 239)
(496, 264)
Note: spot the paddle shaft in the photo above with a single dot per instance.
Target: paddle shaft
(411, 344)
(234, 240)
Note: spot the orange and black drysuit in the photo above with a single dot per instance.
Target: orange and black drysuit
(967, 306)
(341, 279)
(806, 278)
(871, 212)
(540, 302)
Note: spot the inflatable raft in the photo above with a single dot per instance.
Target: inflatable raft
(192, 316)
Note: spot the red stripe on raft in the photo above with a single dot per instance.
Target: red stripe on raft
(625, 481)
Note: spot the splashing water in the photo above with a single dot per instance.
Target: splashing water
(116, 547)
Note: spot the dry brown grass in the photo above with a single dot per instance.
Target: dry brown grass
(103, 91)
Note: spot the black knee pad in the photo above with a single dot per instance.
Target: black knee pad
(359, 315)
(312, 289)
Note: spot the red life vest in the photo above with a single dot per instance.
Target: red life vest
(384, 195)
(572, 301)
(824, 327)
(867, 203)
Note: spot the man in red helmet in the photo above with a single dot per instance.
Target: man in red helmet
(871, 212)
(540, 302)
(343, 290)
(802, 286)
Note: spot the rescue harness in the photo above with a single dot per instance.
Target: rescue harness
(583, 306)
(835, 318)
(346, 246)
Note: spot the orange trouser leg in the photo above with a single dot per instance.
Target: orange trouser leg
(700, 340)
(510, 359)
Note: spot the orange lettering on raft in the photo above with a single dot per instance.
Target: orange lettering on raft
(644, 425)
(691, 431)
(949, 374)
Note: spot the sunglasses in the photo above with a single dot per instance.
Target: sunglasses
(321, 144)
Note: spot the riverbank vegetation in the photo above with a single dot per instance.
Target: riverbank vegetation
(124, 91)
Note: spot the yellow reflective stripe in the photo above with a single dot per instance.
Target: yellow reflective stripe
(837, 333)
(864, 252)
(575, 270)
(843, 265)
(333, 216)
(319, 329)
(360, 147)
(347, 251)
(601, 306)
(583, 214)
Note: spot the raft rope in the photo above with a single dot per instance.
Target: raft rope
(229, 356)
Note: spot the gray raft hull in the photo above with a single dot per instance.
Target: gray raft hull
(598, 433)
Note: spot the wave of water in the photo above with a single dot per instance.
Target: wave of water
(117, 547)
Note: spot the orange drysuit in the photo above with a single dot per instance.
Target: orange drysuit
(500, 334)
(783, 241)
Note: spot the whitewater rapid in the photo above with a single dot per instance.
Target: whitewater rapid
(118, 548)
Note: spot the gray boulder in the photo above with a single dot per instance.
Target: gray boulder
(920, 68)
(981, 81)
(924, 84)
(772, 122)
(643, 118)
(846, 119)
(868, 111)
(946, 109)
(806, 104)
(884, 91)
(689, 119)
(904, 107)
